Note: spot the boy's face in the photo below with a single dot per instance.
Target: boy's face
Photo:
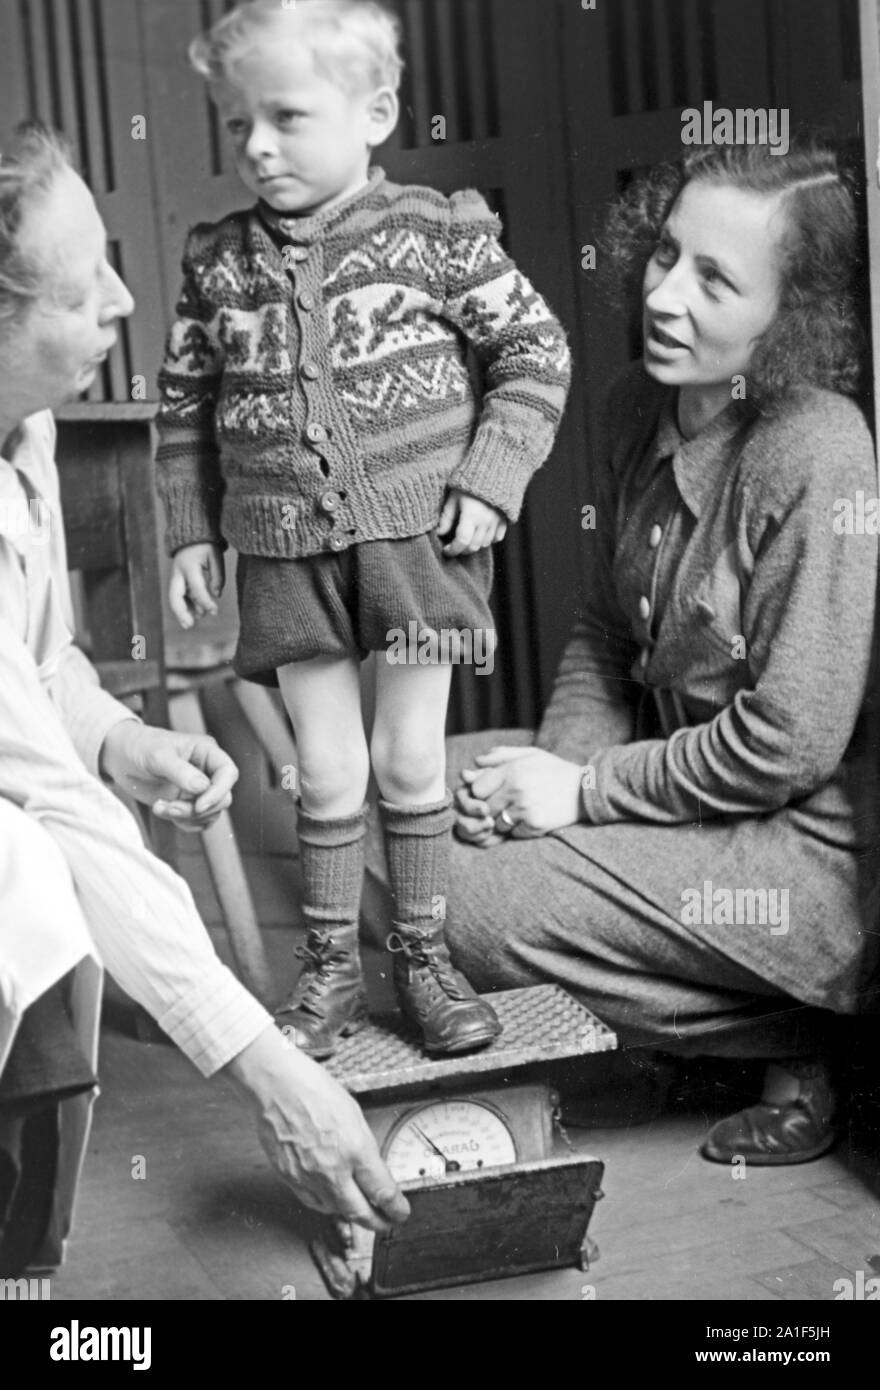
(301, 143)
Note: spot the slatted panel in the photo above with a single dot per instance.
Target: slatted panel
(658, 51)
(451, 60)
(76, 65)
(221, 162)
(63, 43)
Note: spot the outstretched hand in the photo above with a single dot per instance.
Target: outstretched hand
(315, 1135)
(185, 778)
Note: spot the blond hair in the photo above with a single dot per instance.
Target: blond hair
(353, 43)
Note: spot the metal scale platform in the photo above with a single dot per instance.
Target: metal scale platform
(476, 1144)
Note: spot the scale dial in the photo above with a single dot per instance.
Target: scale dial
(448, 1136)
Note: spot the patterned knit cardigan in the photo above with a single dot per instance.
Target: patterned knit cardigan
(315, 390)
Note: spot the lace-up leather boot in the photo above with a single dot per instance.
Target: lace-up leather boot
(328, 1001)
(435, 996)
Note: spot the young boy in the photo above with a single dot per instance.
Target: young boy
(318, 415)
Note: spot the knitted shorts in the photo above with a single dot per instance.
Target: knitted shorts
(366, 599)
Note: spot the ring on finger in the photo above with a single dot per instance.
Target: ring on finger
(506, 825)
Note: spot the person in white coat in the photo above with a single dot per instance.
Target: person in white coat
(78, 889)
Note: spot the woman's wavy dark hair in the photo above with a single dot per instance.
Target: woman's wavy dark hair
(816, 337)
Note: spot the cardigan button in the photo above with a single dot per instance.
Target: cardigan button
(644, 608)
(310, 370)
(316, 434)
(655, 537)
(337, 544)
(297, 253)
(307, 301)
(329, 502)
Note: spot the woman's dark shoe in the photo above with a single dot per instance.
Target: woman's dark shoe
(766, 1134)
(434, 996)
(328, 1000)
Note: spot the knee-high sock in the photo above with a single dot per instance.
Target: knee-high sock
(332, 863)
(417, 844)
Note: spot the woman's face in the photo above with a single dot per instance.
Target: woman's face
(712, 286)
(55, 353)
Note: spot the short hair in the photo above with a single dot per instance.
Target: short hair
(353, 43)
(29, 165)
(816, 336)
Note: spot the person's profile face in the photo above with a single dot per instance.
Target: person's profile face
(70, 328)
(300, 142)
(712, 286)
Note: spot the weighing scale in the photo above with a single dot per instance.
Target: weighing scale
(477, 1146)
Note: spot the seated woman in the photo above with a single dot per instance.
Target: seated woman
(702, 784)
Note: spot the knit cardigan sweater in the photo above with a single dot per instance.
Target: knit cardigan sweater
(315, 391)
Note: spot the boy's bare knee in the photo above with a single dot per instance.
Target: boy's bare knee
(408, 769)
(331, 779)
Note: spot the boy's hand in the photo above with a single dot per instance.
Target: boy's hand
(475, 523)
(197, 579)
